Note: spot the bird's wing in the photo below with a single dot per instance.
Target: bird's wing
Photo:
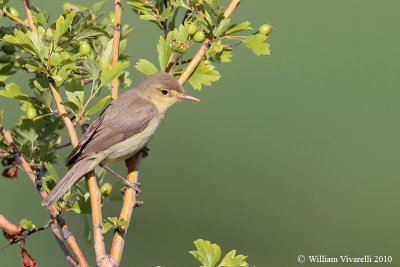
(113, 127)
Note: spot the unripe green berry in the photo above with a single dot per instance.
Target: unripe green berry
(106, 189)
(4, 58)
(84, 48)
(199, 37)
(192, 29)
(13, 12)
(174, 45)
(31, 112)
(265, 29)
(182, 48)
(8, 49)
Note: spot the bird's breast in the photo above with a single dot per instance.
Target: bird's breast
(131, 145)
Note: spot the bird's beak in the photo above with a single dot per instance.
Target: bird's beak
(189, 97)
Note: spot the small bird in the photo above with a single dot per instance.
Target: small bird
(122, 129)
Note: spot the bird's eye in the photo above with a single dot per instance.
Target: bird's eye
(164, 92)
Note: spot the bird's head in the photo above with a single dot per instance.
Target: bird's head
(163, 90)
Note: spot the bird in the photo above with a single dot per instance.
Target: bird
(124, 127)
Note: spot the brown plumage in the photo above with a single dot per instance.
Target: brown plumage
(122, 129)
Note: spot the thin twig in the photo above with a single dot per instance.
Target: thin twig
(8, 14)
(232, 45)
(117, 34)
(127, 207)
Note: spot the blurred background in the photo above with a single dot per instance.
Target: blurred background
(294, 153)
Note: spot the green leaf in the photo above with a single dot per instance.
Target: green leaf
(207, 254)
(244, 26)
(109, 73)
(145, 66)
(123, 80)
(122, 222)
(230, 260)
(6, 71)
(166, 13)
(61, 75)
(204, 74)
(1, 115)
(48, 183)
(72, 107)
(50, 168)
(106, 57)
(44, 97)
(39, 18)
(216, 14)
(27, 225)
(114, 220)
(92, 67)
(62, 25)
(222, 27)
(12, 91)
(29, 130)
(148, 17)
(97, 6)
(97, 107)
(164, 51)
(90, 32)
(256, 43)
(74, 92)
(224, 56)
(106, 227)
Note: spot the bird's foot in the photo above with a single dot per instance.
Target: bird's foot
(134, 186)
(145, 151)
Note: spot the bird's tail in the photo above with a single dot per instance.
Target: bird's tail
(79, 169)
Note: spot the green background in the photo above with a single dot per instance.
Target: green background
(294, 153)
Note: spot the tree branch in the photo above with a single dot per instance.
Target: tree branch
(28, 12)
(191, 67)
(8, 14)
(68, 236)
(117, 34)
(117, 247)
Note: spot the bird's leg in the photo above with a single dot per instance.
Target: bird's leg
(134, 186)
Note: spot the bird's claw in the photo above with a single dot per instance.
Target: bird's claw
(145, 151)
(134, 186)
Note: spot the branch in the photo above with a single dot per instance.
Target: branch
(28, 12)
(68, 236)
(117, 247)
(8, 14)
(117, 34)
(204, 47)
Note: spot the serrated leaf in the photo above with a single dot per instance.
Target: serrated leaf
(207, 254)
(123, 222)
(12, 91)
(164, 51)
(97, 6)
(244, 26)
(204, 74)
(166, 13)
(48, 183)
(114, 220)
(98, 106)
(109, 73)
(62, 25)
(215, 14)
(39, 18)
(222, 27)
(145, 66)
(123, 80)
(50, 168)
(106, 57)
(72, 107)
(224, 56)
(44, 97)
(29, 130)
(181, 33)
(256, 43)
(230, 260)
(92, 67)
(27, 225)
(90, 33)
(148, 17)
(106, 227)
(75, 93)
(61, 75)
